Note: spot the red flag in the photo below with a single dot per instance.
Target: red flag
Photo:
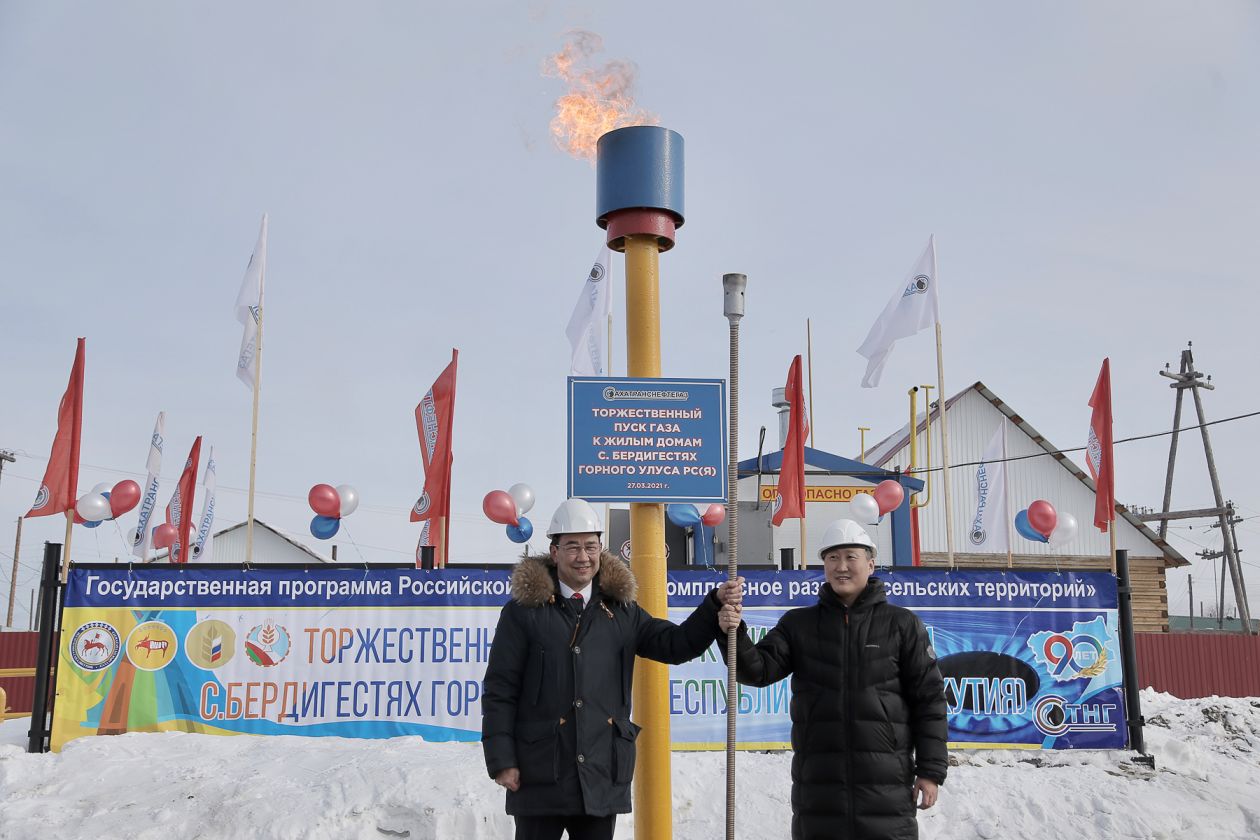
(1098, 455)
(180, 510)
(435, 417)
(59, 489)
(789, 503)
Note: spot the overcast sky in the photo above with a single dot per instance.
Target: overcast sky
(1089, 170)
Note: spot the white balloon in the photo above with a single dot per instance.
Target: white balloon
(349, 499)
(523, 495)
(1064, 532)
(103, 487)
(865, 509)
(93, 507)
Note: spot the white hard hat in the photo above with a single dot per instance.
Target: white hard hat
(574, 516)
(844, 532)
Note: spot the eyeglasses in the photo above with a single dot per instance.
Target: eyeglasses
(573, 549)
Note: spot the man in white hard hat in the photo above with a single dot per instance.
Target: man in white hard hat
(556, 727)
(868, 702)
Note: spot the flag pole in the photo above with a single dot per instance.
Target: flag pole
(608, 371)
(74, 473)
(804, 562)
(1006, 495)
(1111, 528)
(809, 356)
(253, 437)
(940, 399)
(442, 531)
(65, 555)
(940, 383)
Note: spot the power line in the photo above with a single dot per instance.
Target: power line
(855, 474)
(1150, 436)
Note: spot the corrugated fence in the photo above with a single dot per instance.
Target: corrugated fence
(17, 672)
(1199, 664)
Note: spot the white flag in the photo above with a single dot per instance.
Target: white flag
(588, 325)
(249, 307)
(140, 537)
(989, 527)
(203, 546)
(914, 306)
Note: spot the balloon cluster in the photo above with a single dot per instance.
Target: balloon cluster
(869, 508)
(330, 504)
(689, 516)
(105, 502)
(166, 535)
(1040, 522)
(508, 507)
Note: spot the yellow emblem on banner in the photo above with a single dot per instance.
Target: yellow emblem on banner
(210, 644)
(152, 645)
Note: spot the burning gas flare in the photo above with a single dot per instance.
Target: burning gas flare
(599, 98)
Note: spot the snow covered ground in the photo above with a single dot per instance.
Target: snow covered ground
(189, 786)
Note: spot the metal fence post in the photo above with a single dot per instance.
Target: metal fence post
(48, 616)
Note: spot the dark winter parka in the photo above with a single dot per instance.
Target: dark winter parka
(556, 703)
(868, 713)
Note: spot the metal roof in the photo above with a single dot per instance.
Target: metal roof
(830, 464)
(888, 447)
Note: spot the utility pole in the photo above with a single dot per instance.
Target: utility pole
(1212, 555)
(7, 456)
(17, 549)
(1190, 578)
(1238, 552)
(1187, 378)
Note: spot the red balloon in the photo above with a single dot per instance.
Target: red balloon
(889, 495)
(714, 515)
(1043, 517)
(164, 535)
(325, 501)
(124, 496)
(499, 507)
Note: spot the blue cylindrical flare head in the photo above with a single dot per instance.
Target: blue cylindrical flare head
(639, 183)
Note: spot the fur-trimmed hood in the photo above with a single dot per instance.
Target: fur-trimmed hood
(534, 580)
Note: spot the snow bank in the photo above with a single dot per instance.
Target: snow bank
(177, 785)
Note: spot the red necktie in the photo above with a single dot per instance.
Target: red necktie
(578, 601)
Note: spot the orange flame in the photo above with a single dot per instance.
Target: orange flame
(599, 98)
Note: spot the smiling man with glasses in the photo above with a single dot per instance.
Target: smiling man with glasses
(556, 727)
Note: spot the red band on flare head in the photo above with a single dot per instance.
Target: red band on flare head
(641, 221)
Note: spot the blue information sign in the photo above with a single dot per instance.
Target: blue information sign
(647, 440)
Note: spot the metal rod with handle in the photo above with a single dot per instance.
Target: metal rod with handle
(733, 307)
(1128, 655)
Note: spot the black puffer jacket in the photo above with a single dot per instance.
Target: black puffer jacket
(557, 690)
(868, 713)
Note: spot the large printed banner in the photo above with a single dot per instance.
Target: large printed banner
(370, 652)
(1030, 659)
